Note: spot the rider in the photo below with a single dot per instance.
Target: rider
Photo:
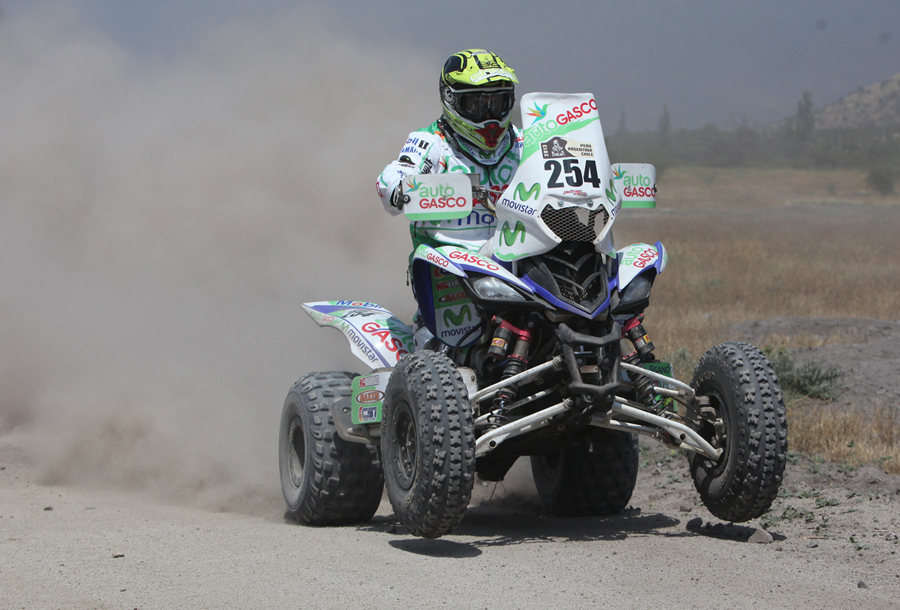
(474, 135)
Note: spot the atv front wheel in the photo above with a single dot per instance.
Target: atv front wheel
(428, 444)
(325, 479)
(749, 425)
(593, 477)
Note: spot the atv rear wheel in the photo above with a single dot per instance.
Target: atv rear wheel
(428, 444)
(593, 477)
(752, 432)
(325, 479)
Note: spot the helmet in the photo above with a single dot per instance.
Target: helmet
(478, 94)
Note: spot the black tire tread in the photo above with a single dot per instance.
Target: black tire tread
(592, 482)
(745, 487)
(440, 495)
(345, 481)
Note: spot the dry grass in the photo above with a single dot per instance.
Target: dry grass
(707, 188)
(757, 244)
(850, 437)
(809, 340)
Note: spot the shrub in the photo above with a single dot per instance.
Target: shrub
(807, 379)
(881, 179)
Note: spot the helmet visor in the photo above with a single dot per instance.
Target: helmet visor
(481, 106)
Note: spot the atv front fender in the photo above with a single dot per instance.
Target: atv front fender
(640, 258)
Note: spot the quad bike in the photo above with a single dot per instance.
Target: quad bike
(531, 344)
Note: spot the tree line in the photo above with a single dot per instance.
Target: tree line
(796, 143)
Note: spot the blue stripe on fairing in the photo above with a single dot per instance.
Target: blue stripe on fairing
(485, 271)
(505, 264)
(543, 292)
(659, 260)
(423, 291)
(329, 309)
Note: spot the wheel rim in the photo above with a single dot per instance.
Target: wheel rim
(297, 448)
(711, 435)
(406, 464)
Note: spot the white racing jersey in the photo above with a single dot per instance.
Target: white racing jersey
(430, 151)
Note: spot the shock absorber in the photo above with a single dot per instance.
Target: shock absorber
(516, 361)
(634, 331)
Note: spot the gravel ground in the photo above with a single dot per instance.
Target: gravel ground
(830, 542)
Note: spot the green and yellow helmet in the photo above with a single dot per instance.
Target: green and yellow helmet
(478, 94)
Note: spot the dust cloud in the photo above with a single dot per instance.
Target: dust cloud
(161, 224)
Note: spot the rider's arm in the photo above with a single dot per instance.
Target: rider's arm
(420, 155)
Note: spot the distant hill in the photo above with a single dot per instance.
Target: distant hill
(877, 105)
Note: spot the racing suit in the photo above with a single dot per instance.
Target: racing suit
(435, 150)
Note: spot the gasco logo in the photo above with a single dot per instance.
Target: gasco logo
(576, 112)
(640, 257)
(433, 258)
(474, 260)
(638, 186)
(542, 129)
(385, 336)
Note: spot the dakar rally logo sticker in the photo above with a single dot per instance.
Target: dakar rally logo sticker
(559, 148)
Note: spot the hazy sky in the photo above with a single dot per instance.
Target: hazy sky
(710, 61)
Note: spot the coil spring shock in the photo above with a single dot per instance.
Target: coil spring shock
(505, 335)
(634, 331)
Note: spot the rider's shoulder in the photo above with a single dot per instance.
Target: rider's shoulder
(433, 132)
(426, 136)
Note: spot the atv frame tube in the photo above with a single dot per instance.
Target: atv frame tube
(686, 437)
(489, 440)
(521, 377)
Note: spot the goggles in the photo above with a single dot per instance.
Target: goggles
(481, 106)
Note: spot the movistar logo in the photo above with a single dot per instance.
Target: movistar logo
(538, 113)
(611, 193)
(412, 185)
(523, 195)
(453, 319)
(508, 238)
(618, 173)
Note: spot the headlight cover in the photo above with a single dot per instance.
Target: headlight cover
(494, 289)
(638, 289)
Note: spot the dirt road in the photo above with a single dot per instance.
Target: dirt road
(834, 546)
